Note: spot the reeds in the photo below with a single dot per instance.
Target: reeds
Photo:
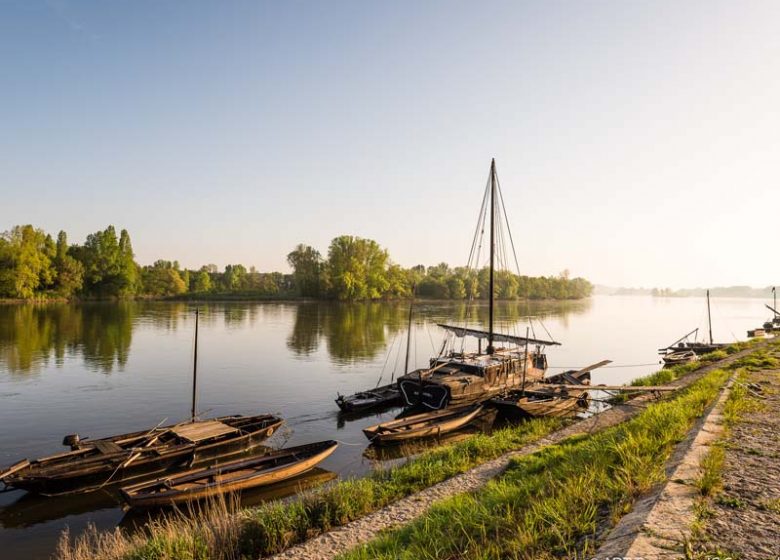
(220, 531)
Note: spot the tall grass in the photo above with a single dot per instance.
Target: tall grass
(554, 503)
(219, 532)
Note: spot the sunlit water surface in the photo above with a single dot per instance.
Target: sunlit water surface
(107, 368)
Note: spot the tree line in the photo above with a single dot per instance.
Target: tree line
(33, 265)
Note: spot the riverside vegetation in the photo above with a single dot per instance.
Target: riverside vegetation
(589, 482)
(33, 266)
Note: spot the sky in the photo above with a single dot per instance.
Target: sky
(637, 143)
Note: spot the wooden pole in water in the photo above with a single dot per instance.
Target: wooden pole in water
(525, 357)
(490, 348)
(195, 370)
(408, 335)
(709, 315)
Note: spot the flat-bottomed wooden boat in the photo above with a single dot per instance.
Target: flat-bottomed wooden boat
(229, 477)
(427, 424)
(93, 464)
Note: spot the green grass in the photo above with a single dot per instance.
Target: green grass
(551, 504)
(711, 467)
(222, 533)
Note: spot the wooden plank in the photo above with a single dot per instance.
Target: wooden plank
(198, 431)
(638, 388)
(107, 447)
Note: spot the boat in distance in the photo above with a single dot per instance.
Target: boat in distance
(427, 424)
(235, 476)
(94, 464)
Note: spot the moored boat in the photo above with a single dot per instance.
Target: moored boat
(94, 464)
(386, 395)
(680, 357)
(457, 378)
(427, 424)
(556, 396)
(229, 477)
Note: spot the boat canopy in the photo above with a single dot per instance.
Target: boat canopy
(463, 331)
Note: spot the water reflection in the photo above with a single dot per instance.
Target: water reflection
(32, 336)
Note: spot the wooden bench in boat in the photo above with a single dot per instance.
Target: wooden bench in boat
(107, 447)
(199, 431)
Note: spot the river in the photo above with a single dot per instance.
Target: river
(99, 369)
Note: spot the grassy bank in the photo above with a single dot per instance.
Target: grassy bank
(557, 501)
(217, 533)
(222, 533)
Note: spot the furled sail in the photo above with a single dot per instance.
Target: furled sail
(499, 337)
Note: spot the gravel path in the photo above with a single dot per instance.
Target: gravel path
(746, 514)
(342, 539)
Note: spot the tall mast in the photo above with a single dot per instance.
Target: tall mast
(409, 334)
(195, 369)
(774, 297)
(490, 348)
(709, 315)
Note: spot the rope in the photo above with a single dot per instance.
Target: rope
(605, 367)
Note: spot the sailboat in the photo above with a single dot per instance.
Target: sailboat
(460, 378)
(684, 350)
(92, 464)
(378, 397)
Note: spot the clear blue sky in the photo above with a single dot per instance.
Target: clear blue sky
(638, 143)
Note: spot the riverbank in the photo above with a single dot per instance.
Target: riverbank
(275, 527)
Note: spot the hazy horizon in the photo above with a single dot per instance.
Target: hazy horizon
(636, 143)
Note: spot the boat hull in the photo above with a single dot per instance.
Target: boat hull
(387, 395)
(54, 476)
(229, 477)
(542, 405)
(417, 426)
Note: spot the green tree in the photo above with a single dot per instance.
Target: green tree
(162, 279)
(306, 263)
(70, 272)
(26, 267)
(235, 277)
(202, 281)
(358, 268)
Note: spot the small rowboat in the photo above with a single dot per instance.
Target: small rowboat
(543, 400)
(229, 477)
(427, 424)
(385, 395)
(681, 357)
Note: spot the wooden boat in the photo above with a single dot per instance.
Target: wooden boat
(680, 357)
(456, 378)
(93, 464)
(756, 333)
(558, 395)
(683, 344)
(386, 395)
(378, 397)
(427, 424)
(229, 477)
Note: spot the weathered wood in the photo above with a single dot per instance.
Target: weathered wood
(417, 426)
(229, 477)
(637, 388)
(199, 431)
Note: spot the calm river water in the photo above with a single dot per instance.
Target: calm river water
(106, 368)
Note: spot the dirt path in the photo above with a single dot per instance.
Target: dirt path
(342, 539)
(744, 519)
